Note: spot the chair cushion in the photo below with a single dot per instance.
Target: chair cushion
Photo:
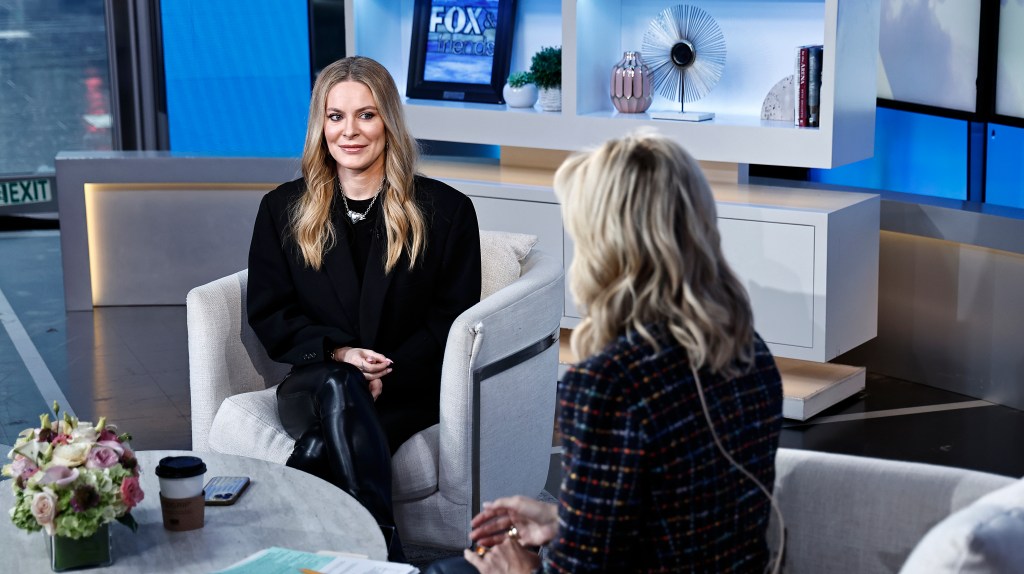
(500, 254)
(414, 466)
(985, 536)
(247, 425)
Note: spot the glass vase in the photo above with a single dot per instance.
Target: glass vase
(87, 552)
(631, 84)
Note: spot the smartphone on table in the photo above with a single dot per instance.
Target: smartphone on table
(225, 490)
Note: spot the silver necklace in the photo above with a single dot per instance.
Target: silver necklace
(355, 216)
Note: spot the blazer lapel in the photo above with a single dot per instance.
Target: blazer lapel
(375, 289)
(342, 273)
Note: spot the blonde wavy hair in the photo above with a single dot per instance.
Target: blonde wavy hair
(311, 215)
(647, 251)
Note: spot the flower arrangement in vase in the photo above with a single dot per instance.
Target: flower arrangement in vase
(71, 479)
(520, 91)
(546, 70)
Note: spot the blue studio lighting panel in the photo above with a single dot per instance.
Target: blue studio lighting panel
(1004, 181)
(914, 153)
(237, 76)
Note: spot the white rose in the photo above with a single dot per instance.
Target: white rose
(44, 509)
(70, 455)
(31, 450)
(84, 433)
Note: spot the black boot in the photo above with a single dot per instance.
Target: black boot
(354, 447)
(309, 454)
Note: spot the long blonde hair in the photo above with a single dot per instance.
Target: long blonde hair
(647, 251)
(311, 215)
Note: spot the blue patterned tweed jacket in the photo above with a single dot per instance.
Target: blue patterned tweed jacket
(644, 488)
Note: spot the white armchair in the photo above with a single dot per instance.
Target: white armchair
(498, 387)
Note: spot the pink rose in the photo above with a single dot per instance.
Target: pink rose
(131, 492)
(114, 445)
(44, 509)
(60, 476)
(22, 467)
(102, 457)
(107, 434)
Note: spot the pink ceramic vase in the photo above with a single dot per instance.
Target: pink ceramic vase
(631, 84)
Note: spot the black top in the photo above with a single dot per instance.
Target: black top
(362, 231)
(301, 315)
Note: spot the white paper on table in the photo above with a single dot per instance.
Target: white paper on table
(347, 565)
(275, 560)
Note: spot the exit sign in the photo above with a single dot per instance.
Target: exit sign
(23, 191)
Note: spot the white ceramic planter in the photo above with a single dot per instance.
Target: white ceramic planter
(521, 97)
(551, 99)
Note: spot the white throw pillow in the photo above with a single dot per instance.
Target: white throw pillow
(500, 254)
(986, 536)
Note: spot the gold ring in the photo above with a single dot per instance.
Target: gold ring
(481, 550)
(513, 532)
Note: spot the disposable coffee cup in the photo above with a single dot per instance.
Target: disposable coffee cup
(181, 492)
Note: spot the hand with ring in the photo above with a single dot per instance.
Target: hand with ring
(507, 557)
(372, 364)
(524, 520)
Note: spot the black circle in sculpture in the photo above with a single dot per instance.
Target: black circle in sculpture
(683, 54)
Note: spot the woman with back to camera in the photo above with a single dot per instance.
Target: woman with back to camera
(356, 273)
(675, 406)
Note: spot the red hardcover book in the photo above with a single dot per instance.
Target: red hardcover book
(802, 78)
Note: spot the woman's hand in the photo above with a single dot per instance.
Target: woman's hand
(536, 522)
(372, 364)
(507, 557)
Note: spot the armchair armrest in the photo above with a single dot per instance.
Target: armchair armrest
(224, 356)
(498, 389)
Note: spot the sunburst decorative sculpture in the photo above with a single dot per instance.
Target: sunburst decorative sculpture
(685, 50)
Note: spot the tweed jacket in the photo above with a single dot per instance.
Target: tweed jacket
(644, 488)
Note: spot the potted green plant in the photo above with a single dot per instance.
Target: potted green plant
(520, 91)
(546, 69)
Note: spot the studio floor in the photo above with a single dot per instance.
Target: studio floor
(130, 364)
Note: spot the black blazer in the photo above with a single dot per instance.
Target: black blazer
(301, 315)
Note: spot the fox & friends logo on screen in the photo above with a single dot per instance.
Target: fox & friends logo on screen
(463, 27)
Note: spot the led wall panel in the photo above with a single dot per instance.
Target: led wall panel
(1004, 183)
(237, 75)
(1010, 67)
(914, 153)
(928, 52)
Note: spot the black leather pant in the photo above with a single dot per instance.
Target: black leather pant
(328, 409)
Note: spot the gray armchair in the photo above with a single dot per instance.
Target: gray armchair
(497, 393)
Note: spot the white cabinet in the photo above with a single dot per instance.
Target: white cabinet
(761, 37)
(808, 259)
(776, 263)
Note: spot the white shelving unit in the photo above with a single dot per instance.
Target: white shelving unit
(762, 37)
(809, 259)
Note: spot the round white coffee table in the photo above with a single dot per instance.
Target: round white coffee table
(282, 507)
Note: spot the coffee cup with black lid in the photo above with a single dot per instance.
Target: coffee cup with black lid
(181, 492)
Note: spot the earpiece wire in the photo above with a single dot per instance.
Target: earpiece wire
(776, 568)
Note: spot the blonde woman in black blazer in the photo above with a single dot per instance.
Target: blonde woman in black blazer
(356, 273)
